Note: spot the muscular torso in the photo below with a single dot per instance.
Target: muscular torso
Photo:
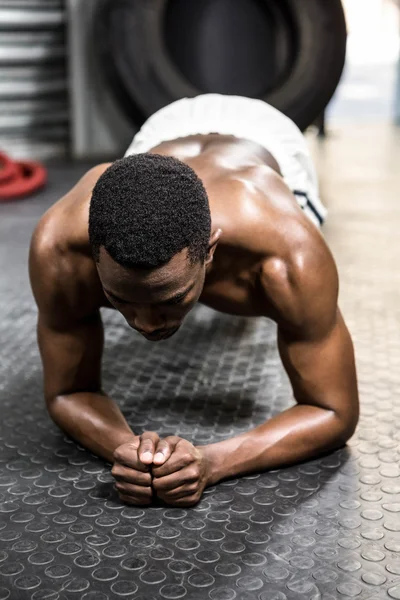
(258, 215)
(270, 260)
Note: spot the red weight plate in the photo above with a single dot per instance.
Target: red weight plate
(8, 168)
(31, 176)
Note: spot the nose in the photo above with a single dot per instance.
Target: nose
(149, 325)
(147, 319)
(150, 331)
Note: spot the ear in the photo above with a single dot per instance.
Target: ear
(213, 243)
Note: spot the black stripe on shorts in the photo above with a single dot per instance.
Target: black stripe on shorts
(309, 204)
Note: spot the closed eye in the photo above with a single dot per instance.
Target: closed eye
(175, 300)
(115, 299)
(172, 301)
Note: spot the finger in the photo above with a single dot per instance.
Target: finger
(127, 455)
(170, 482)
(163, 451)
(177, 461)
(121, 473)
(130, 489)
(148, 441)
(184, 490)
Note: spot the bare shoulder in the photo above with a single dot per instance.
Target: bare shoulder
(60, 269)
(298, 275)
(301, 284)
(75, 196)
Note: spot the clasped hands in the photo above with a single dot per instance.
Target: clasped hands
(171, 468)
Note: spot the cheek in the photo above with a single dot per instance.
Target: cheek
(121, 309)
(180, 310)
(177, 312)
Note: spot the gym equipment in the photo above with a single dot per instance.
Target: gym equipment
(288, 53)
(8, 168)
(19, 179)
(33, 79)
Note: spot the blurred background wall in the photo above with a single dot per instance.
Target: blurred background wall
(368, 86)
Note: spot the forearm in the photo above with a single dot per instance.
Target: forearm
(92, 419)
(297, 434)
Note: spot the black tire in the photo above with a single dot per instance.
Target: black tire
(296, 67)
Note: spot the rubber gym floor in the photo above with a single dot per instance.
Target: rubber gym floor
(326, 529)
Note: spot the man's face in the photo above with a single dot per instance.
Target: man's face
(153, 301)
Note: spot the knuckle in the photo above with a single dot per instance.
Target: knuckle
(172, 439)
(193, 473)
(186, 457)
(115, 471)
(118, 454)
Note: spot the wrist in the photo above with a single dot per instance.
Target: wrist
(211, 455)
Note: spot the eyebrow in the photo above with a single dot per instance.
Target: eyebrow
(177, 297)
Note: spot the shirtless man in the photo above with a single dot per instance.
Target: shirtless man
(215, 202)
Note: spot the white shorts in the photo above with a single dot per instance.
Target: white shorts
(246, 118)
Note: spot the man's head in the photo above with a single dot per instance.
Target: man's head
(150, 234)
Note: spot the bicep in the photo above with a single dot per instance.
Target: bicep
(71, 355)
(322, 370)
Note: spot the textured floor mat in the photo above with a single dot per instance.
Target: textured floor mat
(326, 529)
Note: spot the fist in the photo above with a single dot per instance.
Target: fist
(132, 469)
(180, 472)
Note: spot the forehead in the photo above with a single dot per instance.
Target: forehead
(169, 276)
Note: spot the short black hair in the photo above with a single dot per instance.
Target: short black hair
(145, 208)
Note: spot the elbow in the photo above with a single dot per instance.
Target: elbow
(348, 419)
(51, 407)
(54, 408)
(347, 433)
(346, 430)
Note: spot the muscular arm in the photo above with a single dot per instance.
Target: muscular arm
(317, 353)
(70, 337)
(71, 355)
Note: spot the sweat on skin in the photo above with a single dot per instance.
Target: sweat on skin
(262, 258)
